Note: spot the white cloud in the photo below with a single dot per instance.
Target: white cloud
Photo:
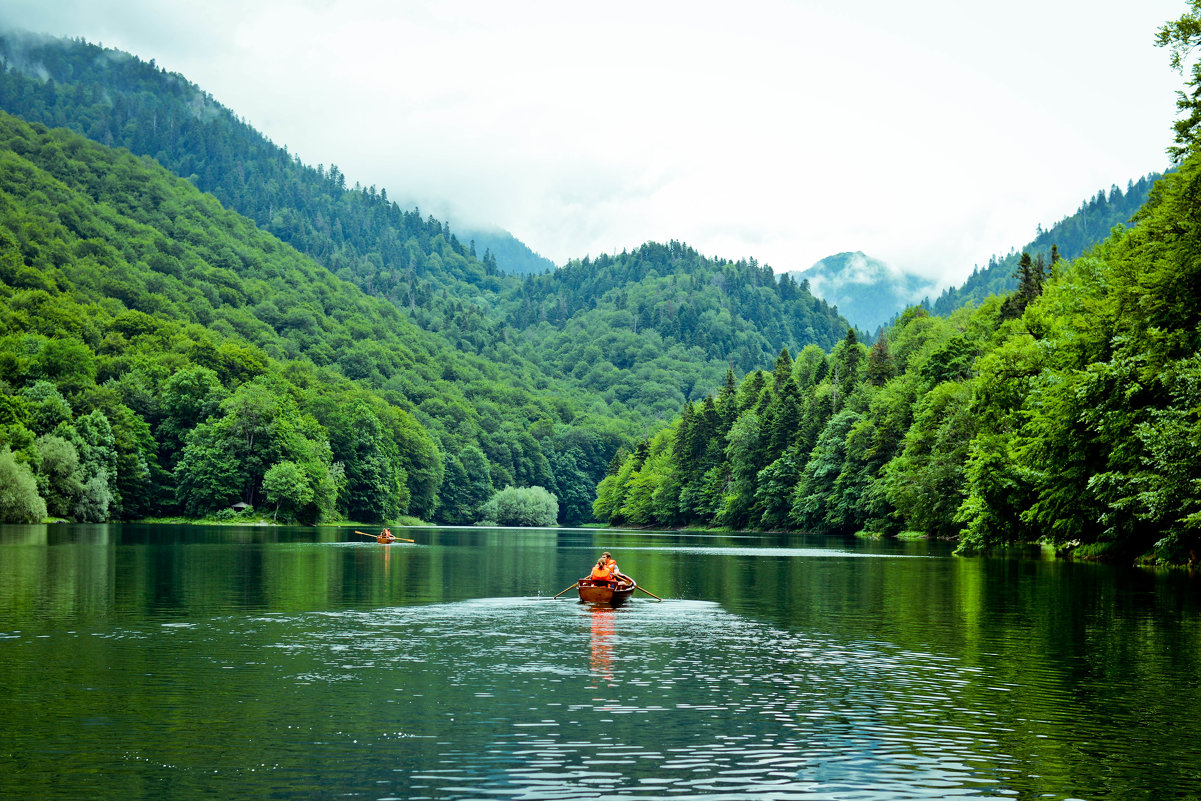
(929, 134)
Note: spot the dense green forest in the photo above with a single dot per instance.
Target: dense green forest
(161, 354)
(419, 264)
(313, 350)
(488, 394)
(634, 327)
(1068, 411)
(1072, 236)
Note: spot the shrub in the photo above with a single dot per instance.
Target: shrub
(522, 506)
(19, 499)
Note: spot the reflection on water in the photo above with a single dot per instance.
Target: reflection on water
(151, 664)
(601, 642)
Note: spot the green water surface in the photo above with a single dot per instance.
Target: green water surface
(184, 662)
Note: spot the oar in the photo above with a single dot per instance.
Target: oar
(648, 592)
(574, 584)
(376, 536)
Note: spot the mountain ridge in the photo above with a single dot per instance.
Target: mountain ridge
(867, 291)
(1072, 235)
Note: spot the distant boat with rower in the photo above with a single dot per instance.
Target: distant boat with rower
(385, 537)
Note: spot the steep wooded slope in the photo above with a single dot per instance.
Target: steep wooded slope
(1073, 235)
(118, 276)
(420, 264)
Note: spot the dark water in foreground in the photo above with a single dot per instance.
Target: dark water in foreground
(184, 662)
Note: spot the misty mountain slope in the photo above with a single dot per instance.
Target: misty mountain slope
(116, 275)
(415, 263)
(418, 264)
(1091, 223)
(510, 254)
(866, 291)
(116, 99)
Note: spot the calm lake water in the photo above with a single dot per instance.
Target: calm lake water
(160, 662)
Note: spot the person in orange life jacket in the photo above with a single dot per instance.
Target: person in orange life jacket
(601, 571)
(611, 563)
(613, 567)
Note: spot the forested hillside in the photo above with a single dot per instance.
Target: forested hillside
(1068, 411)
(159, 353)
(634, 327)
(1072, 236)
(640, 370)
(511, 255)
(118, 100)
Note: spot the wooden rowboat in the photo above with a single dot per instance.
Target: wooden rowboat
(603, 592)
(385, 537)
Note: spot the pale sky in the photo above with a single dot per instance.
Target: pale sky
(929, 134)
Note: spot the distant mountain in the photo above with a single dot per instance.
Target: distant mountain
(866, 291)
(658, 326)
(1073, 235)
(510, 255)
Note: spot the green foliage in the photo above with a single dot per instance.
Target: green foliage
(287, 487)
(159, 353)
(59, 479)
(158, 307)
(926, 481)
(1070, 237)
(607, 346)
(19, 499)
(1181, 37)
(522, 506)
(653, 328)
(260, 430)
(46, 406)
(1068, 412)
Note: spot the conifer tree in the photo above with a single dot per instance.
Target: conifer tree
(880, 365)
(1182, 37)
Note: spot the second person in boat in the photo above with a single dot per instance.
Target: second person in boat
(617, 574)
(605, 570)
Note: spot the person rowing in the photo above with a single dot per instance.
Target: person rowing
(605, 571)
(612, 564)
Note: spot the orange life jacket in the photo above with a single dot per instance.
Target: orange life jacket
(602, 574)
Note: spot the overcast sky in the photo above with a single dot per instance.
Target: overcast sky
(930, 134)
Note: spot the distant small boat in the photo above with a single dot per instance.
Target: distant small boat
(604, 592)
(385, 537)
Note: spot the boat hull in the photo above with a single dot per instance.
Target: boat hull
(594, 592)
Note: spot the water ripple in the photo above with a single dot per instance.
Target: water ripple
(540, 700)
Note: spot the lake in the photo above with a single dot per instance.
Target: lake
(187, 662)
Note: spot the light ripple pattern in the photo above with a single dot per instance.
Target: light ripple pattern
(530, 699)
